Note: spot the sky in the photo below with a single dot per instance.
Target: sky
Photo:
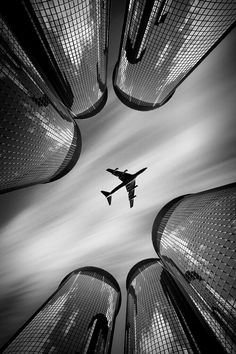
(188, 145)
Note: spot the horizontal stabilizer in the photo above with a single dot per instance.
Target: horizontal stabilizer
(108, 196)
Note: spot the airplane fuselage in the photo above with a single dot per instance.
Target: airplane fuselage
(129, 179)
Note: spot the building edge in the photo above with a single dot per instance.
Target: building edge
(98, 271)
(77, 142)
(15, 335)
(156, 233)
(98, 106)
(142, 105)
(134, 270)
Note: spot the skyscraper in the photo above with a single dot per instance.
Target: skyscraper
(78, 318)
(158, 320)
(162, 43)
(194, 235)
(39, 140)
(71, 50)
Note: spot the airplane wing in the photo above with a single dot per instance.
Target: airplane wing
(121, 175)
(130, 189)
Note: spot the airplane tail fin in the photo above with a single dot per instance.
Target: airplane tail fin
(108, 196)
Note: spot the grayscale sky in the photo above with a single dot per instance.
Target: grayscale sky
(49, 230)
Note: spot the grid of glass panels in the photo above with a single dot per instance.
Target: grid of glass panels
(176, 37)
(63, 324)
(77, 32)
(198, 245)
(38, 137)
(152, 325)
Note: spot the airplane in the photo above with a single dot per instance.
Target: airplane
(128, 181)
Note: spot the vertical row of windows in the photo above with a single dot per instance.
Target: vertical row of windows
(177, 35)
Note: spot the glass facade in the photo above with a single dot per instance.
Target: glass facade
(152, 324)
(162, 42)
(78, 318)
(39, 140)
(77, 35)
(195, 237)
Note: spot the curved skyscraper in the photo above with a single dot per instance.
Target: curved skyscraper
(162, 43)
(68, 41)
(78, 318)
(39, 140)
(158, 320)
(194, 235)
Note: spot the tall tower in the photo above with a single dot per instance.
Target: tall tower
(68, 40)
(194, 235)
(39, 140)
(78, 318)
(162, 43)
(158, 320)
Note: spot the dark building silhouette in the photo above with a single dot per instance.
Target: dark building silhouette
(162, 43)
(78, 318)
(39, 140)
(68, 41)
(97, 334)
(158, 319)
(194, 235)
